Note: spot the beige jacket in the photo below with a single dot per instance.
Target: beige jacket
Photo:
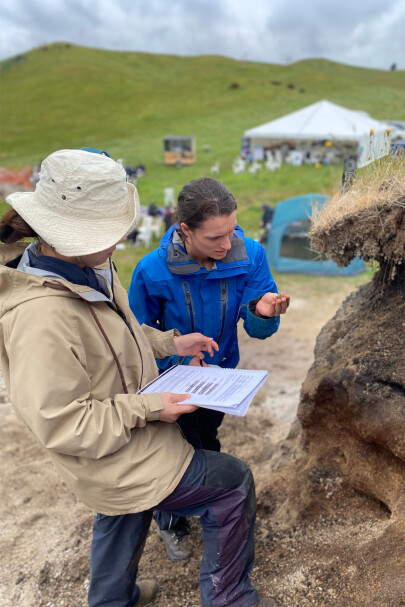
(109, 447)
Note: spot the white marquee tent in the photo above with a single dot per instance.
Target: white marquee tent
(325, 121)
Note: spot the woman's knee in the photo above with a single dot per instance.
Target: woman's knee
(224, 471)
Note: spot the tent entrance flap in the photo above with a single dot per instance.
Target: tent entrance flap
(288, 245)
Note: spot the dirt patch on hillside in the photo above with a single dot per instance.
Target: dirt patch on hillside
(323, 561)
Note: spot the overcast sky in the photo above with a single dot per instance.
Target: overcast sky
(368, 33)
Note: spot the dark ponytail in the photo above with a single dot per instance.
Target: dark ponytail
(13, 228)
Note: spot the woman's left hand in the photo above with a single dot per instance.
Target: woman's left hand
(193, 344)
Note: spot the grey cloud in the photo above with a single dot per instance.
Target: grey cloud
(342, 30)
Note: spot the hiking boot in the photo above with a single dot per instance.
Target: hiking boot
(173, 539)
(149, 590)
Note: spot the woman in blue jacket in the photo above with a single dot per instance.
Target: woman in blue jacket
(204, 277)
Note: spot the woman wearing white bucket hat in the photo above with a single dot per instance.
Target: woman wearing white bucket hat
(74, 358)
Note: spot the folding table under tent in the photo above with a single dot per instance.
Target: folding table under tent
(288, 245)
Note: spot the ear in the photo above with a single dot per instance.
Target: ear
(185, 229)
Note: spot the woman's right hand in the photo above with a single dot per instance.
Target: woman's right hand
(171, 409)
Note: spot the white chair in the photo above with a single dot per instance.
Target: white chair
(145, 231)
(215, 168)
(254, 167)
(168, 196)
(155, 227)
(238, 166)
(294, 157)
(271, 165)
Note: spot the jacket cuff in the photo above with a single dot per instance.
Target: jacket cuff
(261, 323)
(153, 405)
(169, 341)
(252, 308)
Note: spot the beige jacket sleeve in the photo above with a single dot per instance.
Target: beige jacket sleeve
(51, 391)
(162, 343)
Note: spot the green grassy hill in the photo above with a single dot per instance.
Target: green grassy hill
(63, 95)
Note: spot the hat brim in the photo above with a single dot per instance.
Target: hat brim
(72, 237)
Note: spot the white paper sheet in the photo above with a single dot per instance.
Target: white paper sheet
(227, 390)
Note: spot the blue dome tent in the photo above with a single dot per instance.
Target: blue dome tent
(288, 245)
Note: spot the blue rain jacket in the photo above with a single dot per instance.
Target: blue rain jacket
(169, 290)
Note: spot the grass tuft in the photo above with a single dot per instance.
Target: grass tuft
(381, 183)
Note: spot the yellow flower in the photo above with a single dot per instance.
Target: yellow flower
(388, 131)
(371, 131)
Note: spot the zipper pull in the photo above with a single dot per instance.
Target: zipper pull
(186, 292)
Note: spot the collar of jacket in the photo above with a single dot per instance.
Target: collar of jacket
(179, 262)
(80, 290)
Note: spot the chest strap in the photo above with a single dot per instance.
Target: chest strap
(117, 362)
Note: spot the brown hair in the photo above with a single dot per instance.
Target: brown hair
(13, 227)
(203, 198)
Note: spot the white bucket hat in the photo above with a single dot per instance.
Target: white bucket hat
(82, 203)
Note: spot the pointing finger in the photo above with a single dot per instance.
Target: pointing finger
(215, 345)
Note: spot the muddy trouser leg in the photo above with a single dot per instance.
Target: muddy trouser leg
(220, 489)
(201, 430)
(116, 549)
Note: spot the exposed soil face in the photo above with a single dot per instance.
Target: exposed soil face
(374, 234)
(352, 411)
(319, 541)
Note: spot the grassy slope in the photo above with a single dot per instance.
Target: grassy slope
(72, 96)
(62, 95)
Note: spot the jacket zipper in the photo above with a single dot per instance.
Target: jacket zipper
(189, 304)
(224, 307)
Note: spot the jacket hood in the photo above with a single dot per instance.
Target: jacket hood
(179, 262)
(20, 283)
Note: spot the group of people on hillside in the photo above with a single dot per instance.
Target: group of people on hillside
(167, 215)
(76, 349)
